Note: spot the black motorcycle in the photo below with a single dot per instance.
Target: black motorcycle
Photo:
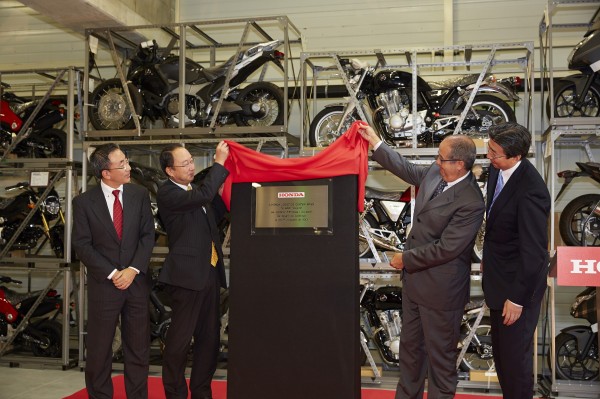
(385, 98)
(40, 139)
(381, 324)
(154, 91)
(48, 221)
(577, 346)
(579, 95)
(43, 334)
(579, 223)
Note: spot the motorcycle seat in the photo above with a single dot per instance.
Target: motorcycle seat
(213, 73)
(382, 194)
(454, 82)
(15, 297)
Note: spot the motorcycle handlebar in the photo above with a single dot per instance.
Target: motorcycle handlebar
(6, 279)
(20, 185)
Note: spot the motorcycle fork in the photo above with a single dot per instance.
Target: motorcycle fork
(583, 89)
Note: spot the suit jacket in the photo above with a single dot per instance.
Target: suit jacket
(96, 242)
(437, 261)
(190, 224)
(515, 250)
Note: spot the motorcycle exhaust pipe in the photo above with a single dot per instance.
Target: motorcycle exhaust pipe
(380, 243)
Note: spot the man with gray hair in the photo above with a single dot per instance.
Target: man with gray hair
(436, 264)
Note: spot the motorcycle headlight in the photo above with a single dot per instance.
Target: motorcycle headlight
(51, 205)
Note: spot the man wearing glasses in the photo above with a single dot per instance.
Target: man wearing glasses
(515, 255)
(193, 270)
(113, 235)
(436, 264)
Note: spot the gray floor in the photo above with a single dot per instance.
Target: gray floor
(53, 383)
(21, 383)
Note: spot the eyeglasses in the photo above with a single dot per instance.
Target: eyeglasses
(125, 165)
(185, 164)
(439, 158)
(491, 151)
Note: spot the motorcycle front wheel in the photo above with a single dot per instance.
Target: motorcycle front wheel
(565, 99)
(323, 128)
(109, 106)
(266, 102)
(52, 330)
(479, 355)
(488, 111)
(578, 225)
(568, 366)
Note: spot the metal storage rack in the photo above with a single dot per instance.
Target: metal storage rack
(64, 83)
(207, 42)
(203, 41)
(506, 58)
(563, 132)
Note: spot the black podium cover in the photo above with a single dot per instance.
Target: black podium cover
(294, 300)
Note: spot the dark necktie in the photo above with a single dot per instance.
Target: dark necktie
(439, 189)
(118, 214)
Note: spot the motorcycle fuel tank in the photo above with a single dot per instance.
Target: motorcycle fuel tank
(394, 79)
(389, 297)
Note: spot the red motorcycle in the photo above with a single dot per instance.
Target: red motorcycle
(41, 139)
(42, 334)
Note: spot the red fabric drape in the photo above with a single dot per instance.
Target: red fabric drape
(348, 155)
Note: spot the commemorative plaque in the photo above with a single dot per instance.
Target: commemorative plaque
(289, 208)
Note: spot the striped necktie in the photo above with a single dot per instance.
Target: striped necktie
(118, 214)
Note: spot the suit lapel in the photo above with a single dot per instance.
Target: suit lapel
(426, 192)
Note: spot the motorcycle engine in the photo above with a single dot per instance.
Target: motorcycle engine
(392, 323)
(193, 107)
(396, 114)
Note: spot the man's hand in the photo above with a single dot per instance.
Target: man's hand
(122, 279)
(222, 153)
(397, 262)
(369, 134)
(511, 313)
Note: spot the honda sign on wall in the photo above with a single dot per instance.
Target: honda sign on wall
(578, 266)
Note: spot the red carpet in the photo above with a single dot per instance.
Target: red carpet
(219, 389)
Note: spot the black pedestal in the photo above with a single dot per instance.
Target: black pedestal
(294, 304)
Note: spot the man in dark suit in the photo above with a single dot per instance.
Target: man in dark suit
(436, 263)
(113, 235)
(193, 270)
(515, 255)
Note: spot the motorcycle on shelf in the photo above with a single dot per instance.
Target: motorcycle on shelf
(153, 85)
(42, 334)
(579, 95)
(577, 346)
(41, 139)
(381, 324)
(579, 223)
(14, 210)
(385, 98)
